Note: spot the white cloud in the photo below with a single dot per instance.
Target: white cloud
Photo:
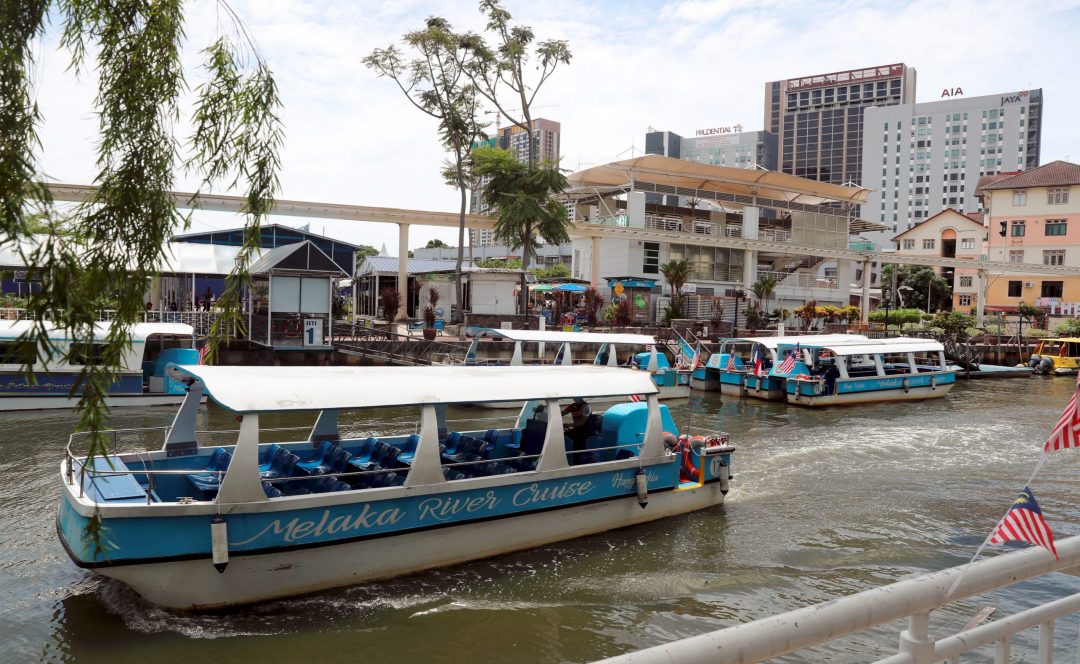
(352, 138)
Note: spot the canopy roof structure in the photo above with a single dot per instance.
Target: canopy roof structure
(300, 257)
(772, 343)
(670, 175)
(877, 346)
(555, 336)
(140, 332)
(250, 389)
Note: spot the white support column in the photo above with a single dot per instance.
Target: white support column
(751, 215)
(241, 483)
(553, 456)
(864, 301)
(426, 466)
(594, 269)
(403, 270)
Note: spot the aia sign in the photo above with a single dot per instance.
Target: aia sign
(952, 92)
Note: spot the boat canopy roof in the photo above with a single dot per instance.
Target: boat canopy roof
(139, 332)
(554, 336)
(878, 346)
(772, 343)
(250, 389)
(1071, 340)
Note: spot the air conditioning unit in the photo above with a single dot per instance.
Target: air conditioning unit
(1029, 284)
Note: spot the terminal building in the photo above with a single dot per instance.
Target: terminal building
(922, 158)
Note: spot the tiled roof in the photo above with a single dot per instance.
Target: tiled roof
(1056, 173)
(986, 180)
(946, 211)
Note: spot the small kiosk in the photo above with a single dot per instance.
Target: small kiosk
(291, 298)
(638, 292)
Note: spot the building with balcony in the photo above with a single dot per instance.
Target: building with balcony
(818, 120)
(919, 158)
(757, 222)
(949, 234)
(1033, 217)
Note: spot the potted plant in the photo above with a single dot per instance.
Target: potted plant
(389, 302)
(428, 313)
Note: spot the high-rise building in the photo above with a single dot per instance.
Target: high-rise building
(922, 158)
(818, 120)
(666, 144)
(546, 139)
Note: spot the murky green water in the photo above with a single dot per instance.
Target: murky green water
(824, 503)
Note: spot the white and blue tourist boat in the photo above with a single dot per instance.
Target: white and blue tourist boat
(140, 382)
(198, 526)
(866, 371)
(632, 351)
(731, 369)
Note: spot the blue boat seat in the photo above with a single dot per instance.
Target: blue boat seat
(451, 444)
(273, 452)
(270, 490)
(330, 459)
(209, 481)
(282, 465)
(450, 474)
(408, 450)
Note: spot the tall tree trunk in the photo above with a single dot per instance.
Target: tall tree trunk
(523, 299)
(458, 292)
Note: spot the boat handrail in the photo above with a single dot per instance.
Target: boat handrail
(912, 598)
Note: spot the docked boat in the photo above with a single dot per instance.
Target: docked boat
(140, 382)
(742, 366)
(865, 371)
(636, 352)
(198, 526)
(1056, 357)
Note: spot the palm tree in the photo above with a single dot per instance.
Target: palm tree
(677, 273)
(763, 289)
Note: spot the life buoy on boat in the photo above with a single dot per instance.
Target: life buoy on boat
(906, 384)
(690, 472)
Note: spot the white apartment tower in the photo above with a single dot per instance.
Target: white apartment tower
(922, 158)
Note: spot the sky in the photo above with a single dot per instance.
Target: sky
(351, 137)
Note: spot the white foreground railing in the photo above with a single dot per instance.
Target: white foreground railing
(913, 599)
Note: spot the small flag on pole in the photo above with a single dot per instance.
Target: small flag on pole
(697, 358)
(730, 362)
(1024, 522)
(757, 360)
(634, 398)
(1066, 433)
(789, 362)
(203, 351)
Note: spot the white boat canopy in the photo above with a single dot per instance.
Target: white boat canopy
(555, 336)
(249, 389)
(139, 332)
(878, 346)
(772, 343)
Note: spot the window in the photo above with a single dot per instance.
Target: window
(1056, 226)
(1019, 198)
(86, 353)
(1016, 255)
(1052, 288)
(1018, 228)
(928, 244)
(16, 352)
(909, 244)
(1058, 196)
(965, 282)
(964, 300)
(1015, 289)
(1053, 257)
(967, 243)
(652, 258)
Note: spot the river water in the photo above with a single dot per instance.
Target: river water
(824, 503)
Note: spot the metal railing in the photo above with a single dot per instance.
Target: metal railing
(912, 599)
(200, 320)
(770, 234)
(799, 280)
(393, 348)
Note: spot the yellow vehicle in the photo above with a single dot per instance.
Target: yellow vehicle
(1056, 356)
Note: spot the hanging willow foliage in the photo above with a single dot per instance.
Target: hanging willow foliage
(114, 244)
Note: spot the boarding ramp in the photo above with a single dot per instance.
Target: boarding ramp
(913, 600)
(385, 347)
(960, 353)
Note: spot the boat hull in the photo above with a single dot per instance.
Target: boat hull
(877, 396)
(772, 389)
(196, 585)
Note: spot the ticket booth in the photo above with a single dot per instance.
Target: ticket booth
(638, 291)
(291, 298)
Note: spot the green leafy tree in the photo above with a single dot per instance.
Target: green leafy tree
(118, 238)
(953, 323)
(437, 244)
(764, 288)
(676, 273)
(556, 271)
(922, 280)
(435, 82)
(1068, 328)
(365, 250)
(524, 202)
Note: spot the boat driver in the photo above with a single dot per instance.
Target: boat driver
(578, 429)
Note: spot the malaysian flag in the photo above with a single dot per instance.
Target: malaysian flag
(789, 362)
(1024, 522)
(757, 360)
(1066, 433)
